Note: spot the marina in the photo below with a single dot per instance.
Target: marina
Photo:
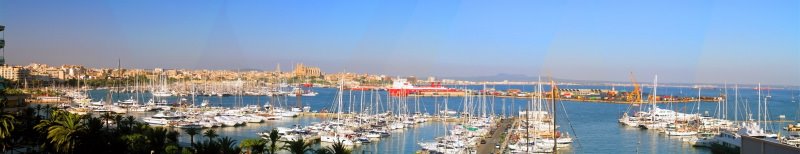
(506, 122)
(399, 77)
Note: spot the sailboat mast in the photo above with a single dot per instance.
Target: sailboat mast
(539, 98)
(759, 102)
(655, 91)
(339, 101)
(725, 105)
(553, 95)
(699, 89)
(736, 103)
(483, 101)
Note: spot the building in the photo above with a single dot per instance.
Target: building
(301, 70)
(74, 71)
(412, 79)
(2, 46)
(431, 79)
(13, 73)
(45, 73)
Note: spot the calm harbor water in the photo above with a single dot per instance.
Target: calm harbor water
(594, 125)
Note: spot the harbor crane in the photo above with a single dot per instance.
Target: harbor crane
(634, 96)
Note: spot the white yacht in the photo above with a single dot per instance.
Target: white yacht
(732, 140)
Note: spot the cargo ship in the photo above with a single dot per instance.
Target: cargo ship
(401, 87)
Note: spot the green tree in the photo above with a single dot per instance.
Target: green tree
(172, 137)
(338, 148)
(192, 132)
(107, 119)
(137, 143)
(94, 138)
(7, 121)
(172, 149)
(207, 147)
(298, 146)
(65, 132)
(93, 125)
(48, 110)
(274, 136)
(253, 145)
(157, 138)
(131, 121)
(210, 134)
(38, 109)
(119, 119)
(228, 145)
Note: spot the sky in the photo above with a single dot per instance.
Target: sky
(684, 41)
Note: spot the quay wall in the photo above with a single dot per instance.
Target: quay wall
(755, 145)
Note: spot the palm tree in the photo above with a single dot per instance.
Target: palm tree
(140, 128)
(94, 137)
(131, 120)
(93, 125)
(123, 125)
(191, 132)
(136, 143)
(273, 139)
(107, 118)
(211, 134)
(38, 109)
(48, 110)
(7, 121)
(172, 137)
(157, 137)
(228, 145)
(298, 146)
(253, 145)
(338, 148)
(206, 147)
(65, 132)
(118, 119)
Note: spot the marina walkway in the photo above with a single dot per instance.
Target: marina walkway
(495, 137)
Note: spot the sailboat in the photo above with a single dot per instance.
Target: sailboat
(162, 91)
(338, 133)
(731, 140)
(538, 129)
(635, 99)
(677, 128)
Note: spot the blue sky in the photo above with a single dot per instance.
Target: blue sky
(681, 41)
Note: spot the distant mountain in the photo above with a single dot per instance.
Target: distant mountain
(501, 77)
(526, 78)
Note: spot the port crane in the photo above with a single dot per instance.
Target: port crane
(634, 96)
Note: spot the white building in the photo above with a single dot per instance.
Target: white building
(13, 73)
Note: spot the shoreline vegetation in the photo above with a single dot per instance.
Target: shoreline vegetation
(46, 129)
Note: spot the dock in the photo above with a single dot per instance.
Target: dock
(345, 115)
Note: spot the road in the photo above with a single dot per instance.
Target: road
(494, 138)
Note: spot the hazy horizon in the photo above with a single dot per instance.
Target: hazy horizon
(680, 41)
